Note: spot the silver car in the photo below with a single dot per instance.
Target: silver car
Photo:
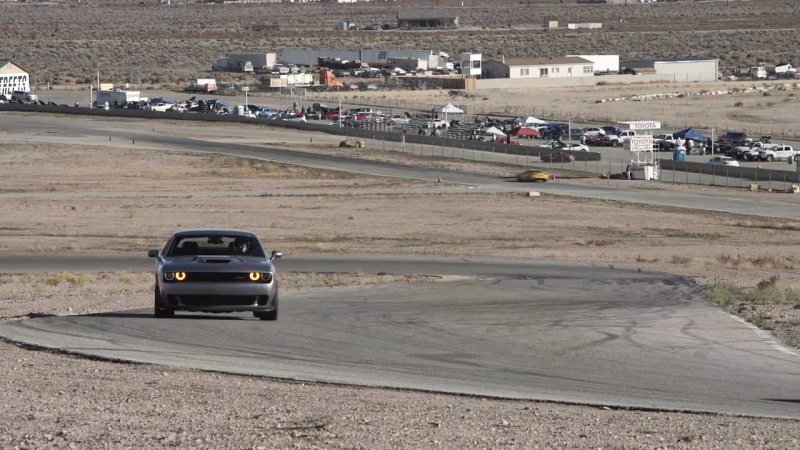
(215, 271)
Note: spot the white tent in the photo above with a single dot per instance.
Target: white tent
(530, 121)
(449, 109)
(495, 131)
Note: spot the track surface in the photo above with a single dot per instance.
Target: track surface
(581, 334)
(546, 331)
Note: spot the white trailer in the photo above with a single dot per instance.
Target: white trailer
(294, 79)
(260, 61)
(207, 85)
(117, 97)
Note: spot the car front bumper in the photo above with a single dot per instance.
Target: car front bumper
(218, 297)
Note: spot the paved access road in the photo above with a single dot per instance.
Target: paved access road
(547, 331)
(140, 131)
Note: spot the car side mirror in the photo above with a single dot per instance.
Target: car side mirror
(152, 253)
(275, 255)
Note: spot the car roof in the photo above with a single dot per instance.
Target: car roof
(213, 232)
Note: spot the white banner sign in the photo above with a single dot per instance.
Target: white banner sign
(640, 144)
(643, 125)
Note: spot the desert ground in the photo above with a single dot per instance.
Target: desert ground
(67, 43)
(97, 198)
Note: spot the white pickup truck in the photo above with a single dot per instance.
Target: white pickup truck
(750, 152)
(779, 153)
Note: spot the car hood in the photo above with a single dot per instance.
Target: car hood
(217, 264)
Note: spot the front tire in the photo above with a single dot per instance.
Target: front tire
(158, 311)
(268, 315)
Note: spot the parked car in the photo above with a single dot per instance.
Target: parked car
(558, 157)
(779, 153)
(666, 142)
(534, 175)
(595, 139)
(616, 140)
(215, 271)
(398, 120)
(436, 123)
(23, 96)
(750, 152)
(575, 147)
(730, 140)
(723, 161)
(552, 145)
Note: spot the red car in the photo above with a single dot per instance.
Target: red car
(558, 157)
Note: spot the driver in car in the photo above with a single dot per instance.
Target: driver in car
(242, 245)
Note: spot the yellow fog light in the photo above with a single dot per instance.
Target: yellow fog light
(255, 276)
(180, 276)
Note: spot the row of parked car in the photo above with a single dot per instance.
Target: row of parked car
(737, 145)
(19, 97)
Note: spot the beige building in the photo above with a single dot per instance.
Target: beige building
(561, 67)
(13, 78)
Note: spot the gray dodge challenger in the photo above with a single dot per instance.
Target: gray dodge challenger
(215, 271)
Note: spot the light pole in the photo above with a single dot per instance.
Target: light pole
(245, 89)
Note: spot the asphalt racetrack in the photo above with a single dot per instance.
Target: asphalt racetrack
(527, 330)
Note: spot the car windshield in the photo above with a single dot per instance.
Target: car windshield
(215, 244)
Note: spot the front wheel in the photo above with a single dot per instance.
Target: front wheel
(158, 311)
(770, 158)
(268, 315)
(615, 143)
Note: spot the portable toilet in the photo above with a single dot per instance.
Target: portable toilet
(679, 155)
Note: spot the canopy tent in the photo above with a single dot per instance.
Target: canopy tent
(690, 133)
(494, 130)
(449, 109)
(530, 120)
(524, 132)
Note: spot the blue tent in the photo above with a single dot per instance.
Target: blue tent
(690, 133)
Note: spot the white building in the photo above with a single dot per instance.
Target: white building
(560, 67)
(13, 78)
(471, 64)
(603, 63)
(684, 69)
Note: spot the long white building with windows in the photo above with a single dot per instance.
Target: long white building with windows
(13, 78)
(561, 67)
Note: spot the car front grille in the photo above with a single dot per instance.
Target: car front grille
(218, 277)
(217, 300)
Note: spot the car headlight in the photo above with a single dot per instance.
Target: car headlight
(255, 276)
(174, 276)
(266, 277)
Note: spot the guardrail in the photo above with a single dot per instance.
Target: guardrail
(363, 133)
